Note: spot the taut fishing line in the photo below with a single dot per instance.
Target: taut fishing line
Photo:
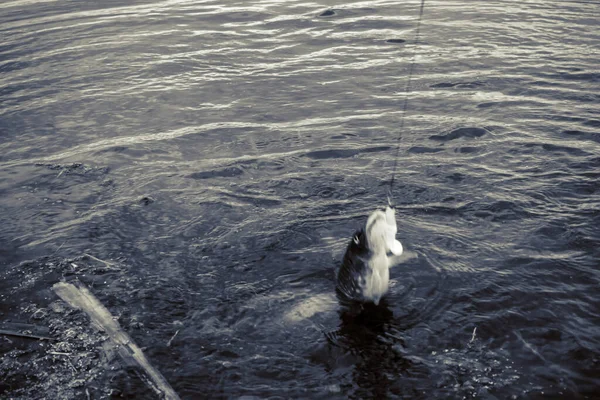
(405, 105)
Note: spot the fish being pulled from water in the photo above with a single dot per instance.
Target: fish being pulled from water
(364, 274)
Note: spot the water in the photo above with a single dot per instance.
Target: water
(229, 150)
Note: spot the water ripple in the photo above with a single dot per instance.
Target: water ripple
(229, 151)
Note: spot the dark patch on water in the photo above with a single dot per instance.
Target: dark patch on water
(228, 172)
(468, 133)
(595, 123)
(510, 104)
(443, 85)
(233, 119)
(14, 66)
(585, 135)
(468, 149)
(115, 149)
(466, 85)
(558, 149)
(578, 76)
(424, 150)
(327, 13)
(344, 153)
(146, 200)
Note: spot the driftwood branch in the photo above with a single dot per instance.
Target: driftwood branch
(473, 336)
(24, 335)
(108, 265)
(171, 340)
(81, 298)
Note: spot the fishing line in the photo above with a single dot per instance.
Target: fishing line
(405, 106)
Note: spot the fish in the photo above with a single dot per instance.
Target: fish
(363, 275)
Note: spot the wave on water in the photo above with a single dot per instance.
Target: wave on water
(218, 156)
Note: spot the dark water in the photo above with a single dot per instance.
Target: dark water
(230, 149)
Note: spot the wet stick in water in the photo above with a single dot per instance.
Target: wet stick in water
(81, 298)
(171, 340)
(108, 265)
(23, 335)
(473, 336)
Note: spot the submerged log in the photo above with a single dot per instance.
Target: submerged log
(78, 296)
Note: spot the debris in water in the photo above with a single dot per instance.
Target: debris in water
(25, 334)
(146, 200)
(327, 13)
(473, 337)
(171, 340)
(68, 358)
(119, 341)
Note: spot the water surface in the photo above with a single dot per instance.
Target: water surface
(225, 152)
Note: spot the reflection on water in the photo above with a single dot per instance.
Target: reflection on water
(225, 153)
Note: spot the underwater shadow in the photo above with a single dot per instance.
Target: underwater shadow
(372, 348)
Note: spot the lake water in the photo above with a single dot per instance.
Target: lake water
(224, 152)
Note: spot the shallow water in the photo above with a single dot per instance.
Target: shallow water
(229, 150)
